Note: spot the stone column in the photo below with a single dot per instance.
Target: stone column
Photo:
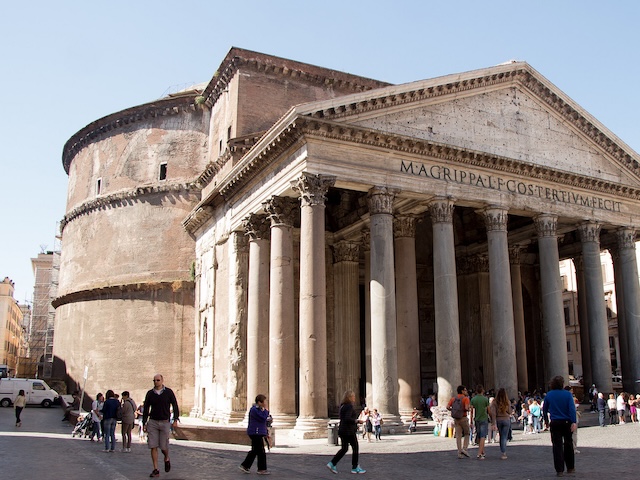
(518, 319)
(347, 317)
(445, 299)
(282, 348)
(236, 390)
(257, 229)
(625, 367)
(585, 342)
(384, 354)
(502, 327)
(554, 336)
(366, 248)
(631, 288)
(596, 308)
(486, 335)
(312, 420)
(408, 328)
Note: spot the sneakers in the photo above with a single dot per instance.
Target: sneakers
(155, 473)
(358, 470)
(167, 465)
(244, 469)
(503, 456)
(481, 456)
(264, 472)
(332, 467)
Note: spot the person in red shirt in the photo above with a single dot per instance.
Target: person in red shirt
(461, 424)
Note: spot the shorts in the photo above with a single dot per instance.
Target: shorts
(482, 428)
(158, 434)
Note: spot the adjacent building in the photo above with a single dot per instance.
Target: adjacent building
(11, 332)
(296, 231)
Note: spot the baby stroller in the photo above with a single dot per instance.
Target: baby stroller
(83, 427)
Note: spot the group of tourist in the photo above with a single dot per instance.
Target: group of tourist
(107, 412)
(155, 417)
(558, 411)
(621, 409)
(371, 422)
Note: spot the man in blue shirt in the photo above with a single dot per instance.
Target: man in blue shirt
(559, 412)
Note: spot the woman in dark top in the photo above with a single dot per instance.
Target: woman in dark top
(347, 433)
(257, 431)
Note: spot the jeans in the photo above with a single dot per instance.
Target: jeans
(601, 417)
(96, 430)
(257, 450)
(503, 428)
(345, 441)
(562, 445)
(536, 424)
(18, 412)
(378, 431)
(110, 433)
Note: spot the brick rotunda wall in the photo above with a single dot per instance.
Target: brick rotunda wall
(126, 296)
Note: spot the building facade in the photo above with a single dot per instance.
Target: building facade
(11, 332)
(346, 234)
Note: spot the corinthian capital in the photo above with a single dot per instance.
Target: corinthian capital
(404, 226)
(313, 188)
(381, 200)
(626, 238)
(589, 232)
(441, 210)
(495, 218)
(256, 227)
(282, 210)
(546, 225)
(345, 251)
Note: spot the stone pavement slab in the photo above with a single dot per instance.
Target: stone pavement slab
(43, 449)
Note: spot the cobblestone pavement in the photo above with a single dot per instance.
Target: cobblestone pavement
(44, 449)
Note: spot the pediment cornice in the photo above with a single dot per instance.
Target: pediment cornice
(516, 73)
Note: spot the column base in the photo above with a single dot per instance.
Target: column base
(231, 417)
(307, 428)
(195, 412)
(284, 420)
(392, 424)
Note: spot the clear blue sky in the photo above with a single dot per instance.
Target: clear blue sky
(65, 64)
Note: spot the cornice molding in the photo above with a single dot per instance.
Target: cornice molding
(278, 67)
(125, 198)
(111, 123)
(119, 291)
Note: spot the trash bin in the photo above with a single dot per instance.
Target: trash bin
(332, 433)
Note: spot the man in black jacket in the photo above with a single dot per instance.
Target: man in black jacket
(155, 419)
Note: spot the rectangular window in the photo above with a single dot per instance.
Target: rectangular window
(163, 172)
(567, 314)
(568, 345)
(565, 283)
(98, 186)
(229, 133)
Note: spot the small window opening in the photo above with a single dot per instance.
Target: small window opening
(220, 147)
(229, 133)
(163, 171)
(98, 186)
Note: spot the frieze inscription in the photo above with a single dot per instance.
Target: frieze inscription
(493, 182)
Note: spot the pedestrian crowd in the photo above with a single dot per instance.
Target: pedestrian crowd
(478, 418)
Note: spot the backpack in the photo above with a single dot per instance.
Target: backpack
(457, 409)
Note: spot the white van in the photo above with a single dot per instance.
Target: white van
(37, 391)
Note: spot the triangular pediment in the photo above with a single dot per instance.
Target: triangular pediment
(509, 111)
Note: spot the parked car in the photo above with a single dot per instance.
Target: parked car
(37, 391)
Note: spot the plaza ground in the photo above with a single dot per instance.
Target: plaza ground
(43, 448)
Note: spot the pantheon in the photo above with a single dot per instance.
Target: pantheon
(297, 231)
